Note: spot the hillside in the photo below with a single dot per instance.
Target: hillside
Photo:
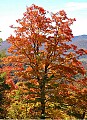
(80, 41)
(4, 45)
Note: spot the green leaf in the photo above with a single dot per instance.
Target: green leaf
(1, 40)
(3, 75)
(30, 85)
(56, 85)
(38, 99)
(50, 78)
(6, 86)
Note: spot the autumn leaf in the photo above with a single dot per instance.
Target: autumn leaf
(41, 55)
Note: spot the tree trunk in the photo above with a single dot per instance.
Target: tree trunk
(42, 87)
(83, 115)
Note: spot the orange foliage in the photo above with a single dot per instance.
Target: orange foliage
(40, 51)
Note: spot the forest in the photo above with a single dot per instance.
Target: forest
(43, 76)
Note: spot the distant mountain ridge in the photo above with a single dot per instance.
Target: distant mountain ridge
(4, 45)
(80, 41)
(84, 37)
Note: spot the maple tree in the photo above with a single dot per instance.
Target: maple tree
(4, 102)
(0, 39)
(41, 55)
(79, 98)
(20, 108)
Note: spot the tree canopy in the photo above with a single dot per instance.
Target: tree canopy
(43, 59)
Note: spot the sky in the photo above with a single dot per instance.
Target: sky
(11, 10)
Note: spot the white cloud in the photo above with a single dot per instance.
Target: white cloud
(79, 27)
(73, 9)
(72, 6)
(6, 21)
(77, 10)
